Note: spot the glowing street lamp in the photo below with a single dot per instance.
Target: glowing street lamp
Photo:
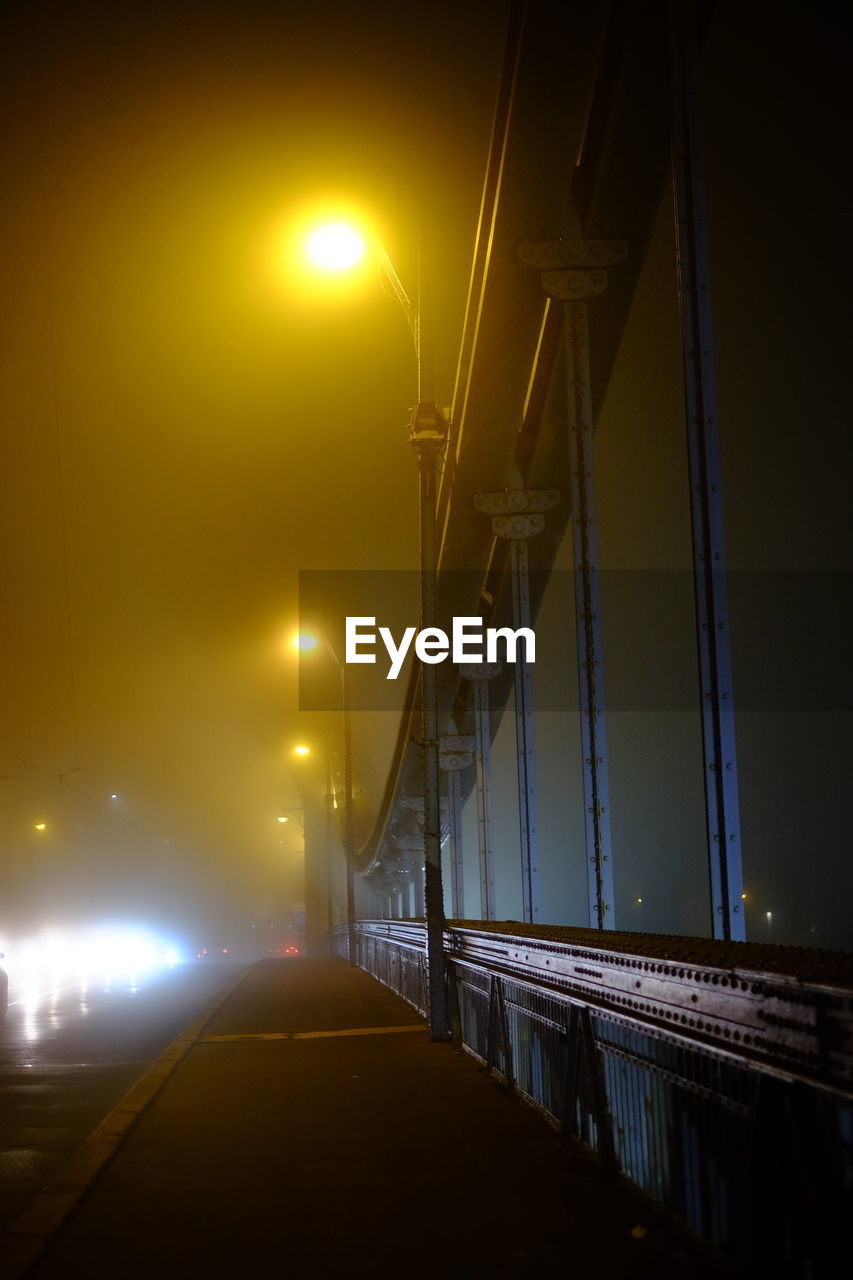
(428, 435)
(302, 750)
(305, 642)
(335, 246)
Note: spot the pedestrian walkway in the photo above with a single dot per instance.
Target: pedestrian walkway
(310, 1123)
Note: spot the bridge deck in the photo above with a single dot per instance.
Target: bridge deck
(311, 1121)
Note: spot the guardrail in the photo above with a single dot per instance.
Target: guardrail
(724, 1092)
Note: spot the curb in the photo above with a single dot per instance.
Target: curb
(28, 1236)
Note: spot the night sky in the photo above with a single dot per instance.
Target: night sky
(185, 426)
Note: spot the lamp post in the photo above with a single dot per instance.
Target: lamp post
(428, 436)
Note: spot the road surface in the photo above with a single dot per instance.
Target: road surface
(69, 1052)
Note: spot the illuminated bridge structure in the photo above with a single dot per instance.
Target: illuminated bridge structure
(597, 895)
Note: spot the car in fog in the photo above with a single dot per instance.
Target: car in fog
(4, 989)
(215, 953)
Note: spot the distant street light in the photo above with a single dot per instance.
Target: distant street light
(305, 642)
(41, 826)
(349, 825)
(287, 814)
(428, 435)
(302, 750)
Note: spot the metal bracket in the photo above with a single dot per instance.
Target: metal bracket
(455, 753)
(573, 286)
(427, 425)
(415, 804)
(512, 501)
(585, 1091)
(497, 1037)
(455, 762)
(549, 254)
(480, 670)
(409, 844)
(572, 270)
(516, 512)
(518, 527)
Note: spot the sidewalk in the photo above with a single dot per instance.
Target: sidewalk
(311, 1123)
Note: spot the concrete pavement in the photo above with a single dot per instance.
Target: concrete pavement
(309, 1122)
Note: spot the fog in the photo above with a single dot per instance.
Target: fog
(186, 424)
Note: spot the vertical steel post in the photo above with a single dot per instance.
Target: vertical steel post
(709, 573)
(483, 734)
(455, 755)
(517, 515)
(479, 674)
(428, 436)
(457, 888)
(349, 819)
(330, 840)
(588, 620)
(524, 739)
(420, 889)
(573, 271)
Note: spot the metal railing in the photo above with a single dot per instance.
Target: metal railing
(725, 1093)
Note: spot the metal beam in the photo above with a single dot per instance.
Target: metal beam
(457, 887)
(587, 583)
(516, 515)
(454, 756)
(524, 739)
(480, 674)
(573, 271)
(706, 503)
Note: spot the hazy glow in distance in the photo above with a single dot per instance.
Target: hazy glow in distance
(103, 954)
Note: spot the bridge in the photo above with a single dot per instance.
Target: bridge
(579, 983)
(638, 916)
